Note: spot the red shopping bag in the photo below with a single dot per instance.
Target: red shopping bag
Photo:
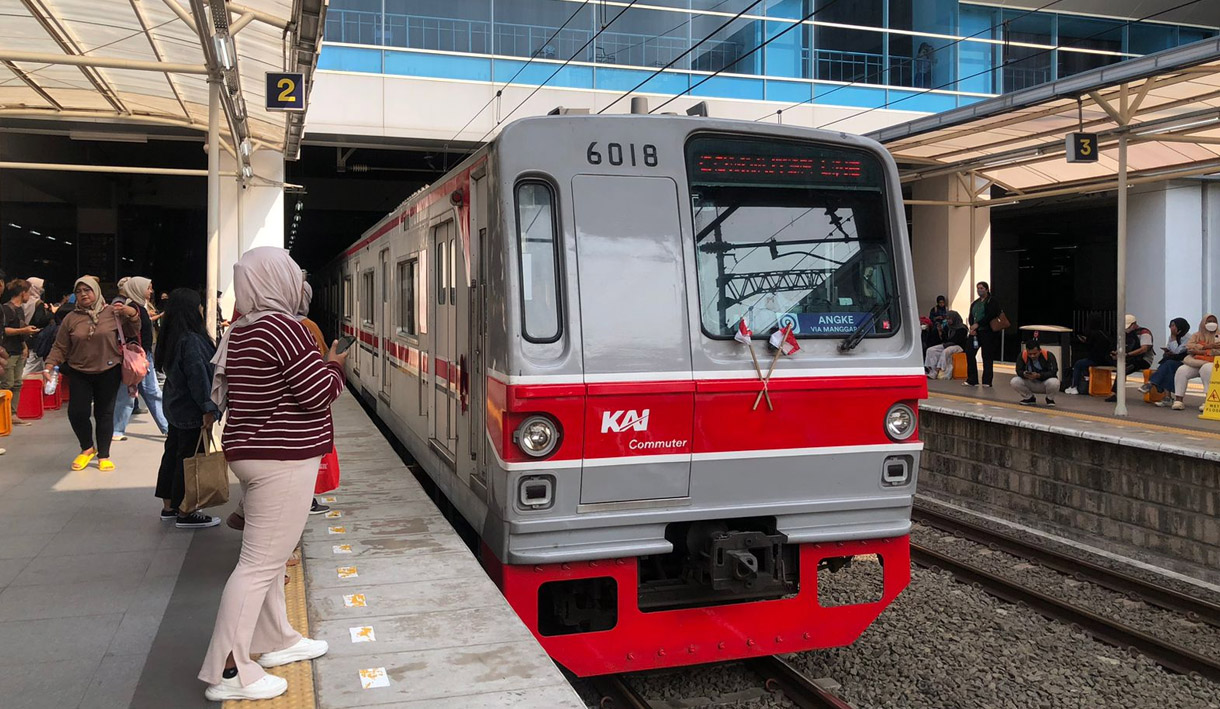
(328, 473)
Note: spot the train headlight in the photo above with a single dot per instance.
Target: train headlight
(537, 437)
(900, 422)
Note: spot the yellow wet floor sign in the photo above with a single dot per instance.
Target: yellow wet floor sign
(1211, 404)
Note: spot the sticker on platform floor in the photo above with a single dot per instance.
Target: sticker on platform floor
(337, 530)
(363, 634)
(334, 514)
(355, 600)
(342, 548)
(374, 677)
(329, 498)
(347, 572)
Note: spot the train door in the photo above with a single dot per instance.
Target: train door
(443, 421)
(635, 339)
(383, 327)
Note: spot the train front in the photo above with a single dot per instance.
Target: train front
(708, 402)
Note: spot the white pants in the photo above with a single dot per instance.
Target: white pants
(1186, 372)
(940, 357)
(1028, 387)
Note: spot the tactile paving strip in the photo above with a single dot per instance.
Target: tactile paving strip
(300, 694)
(1082, 417)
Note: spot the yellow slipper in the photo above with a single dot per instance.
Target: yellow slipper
(82, 460)
(105, 465)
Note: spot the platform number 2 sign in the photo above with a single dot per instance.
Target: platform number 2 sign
(1081, 147)
(285, 91)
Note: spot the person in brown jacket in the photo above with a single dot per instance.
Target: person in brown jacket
(88, 342)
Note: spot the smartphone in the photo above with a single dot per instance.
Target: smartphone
(344, 343)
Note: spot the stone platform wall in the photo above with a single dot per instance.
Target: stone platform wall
(1160, 506)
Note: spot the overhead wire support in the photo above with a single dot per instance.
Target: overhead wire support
(887, 104)
(692, 48)
(560, 68)
(882, 72)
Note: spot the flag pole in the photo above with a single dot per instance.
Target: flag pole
(771, 369)
(758, 371)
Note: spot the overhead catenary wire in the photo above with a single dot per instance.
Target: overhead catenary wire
(887, 104)
(855, 82)
(690, 49)
(560, 68)
(513, 78)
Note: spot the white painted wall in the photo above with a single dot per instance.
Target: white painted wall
(948, 259)
(250, 215)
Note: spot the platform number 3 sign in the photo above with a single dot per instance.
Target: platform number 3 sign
(285, 91)
(1081, 147)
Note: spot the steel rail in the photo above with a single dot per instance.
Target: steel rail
(794, 685)
(1154, 594)
(1169, 656)
(616, 693)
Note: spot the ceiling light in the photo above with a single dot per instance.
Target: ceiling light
(67, 243)
(300, 205)
(244, 146)
(35, 233)
(226, 54)
(15, 226)
(297, 218)
(247, 171)
(51, 238)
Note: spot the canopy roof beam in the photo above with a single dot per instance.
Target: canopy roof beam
(32, 84)
(156, 50)
(40, 12)
(95, 61)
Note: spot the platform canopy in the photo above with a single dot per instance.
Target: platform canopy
(148, 62)
(1167, 104)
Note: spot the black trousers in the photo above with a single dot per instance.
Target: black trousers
(94, 394)
(180, 444)
(989, 343)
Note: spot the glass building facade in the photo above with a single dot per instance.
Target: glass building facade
(916, 55)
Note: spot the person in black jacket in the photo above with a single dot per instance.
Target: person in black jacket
(939, 361)
(983, 312)
(185, 357)
(1037, 372)
(1098, 346)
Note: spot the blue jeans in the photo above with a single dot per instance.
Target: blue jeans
(150, 391)
(1162, 378)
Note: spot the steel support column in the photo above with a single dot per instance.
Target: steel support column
(1120, 373)
(213, 205)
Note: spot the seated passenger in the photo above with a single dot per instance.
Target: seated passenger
(1171, 359)
(1201, 351)
(1139, 353)
(1097, 346)
(1037, 372)
(938, 363)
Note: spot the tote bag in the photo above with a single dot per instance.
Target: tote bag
(207, 476)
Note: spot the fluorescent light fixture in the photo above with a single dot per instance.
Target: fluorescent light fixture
(67, 243)
(247, 172)
(51, 238)
(244, 146)
(226, 54)
(35, 233)
(15, 226)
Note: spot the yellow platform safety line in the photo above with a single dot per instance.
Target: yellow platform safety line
(1082, 417)
(300, 694)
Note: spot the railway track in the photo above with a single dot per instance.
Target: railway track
(1195, 609)
(1168, 655)
(777, 674)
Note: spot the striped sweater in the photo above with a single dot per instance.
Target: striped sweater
(280, 392)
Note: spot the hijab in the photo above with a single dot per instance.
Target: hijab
(266, 281)
(135, 289)
(306, 297)
(36, 284)
(99, 304)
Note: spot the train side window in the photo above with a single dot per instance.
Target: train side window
(407, 271)
(347, 297)
(367, 300)
(539, 247)
(441, 281)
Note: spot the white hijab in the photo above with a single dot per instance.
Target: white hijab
(36, 284)
(306, 298)
(266, 281)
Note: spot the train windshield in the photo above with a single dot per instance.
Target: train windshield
(790, 234)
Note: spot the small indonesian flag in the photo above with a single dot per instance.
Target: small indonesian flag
(743, 333)
(785, 341)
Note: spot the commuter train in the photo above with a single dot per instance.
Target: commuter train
(571, 333)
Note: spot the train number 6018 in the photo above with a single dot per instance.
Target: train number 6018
(615, 154)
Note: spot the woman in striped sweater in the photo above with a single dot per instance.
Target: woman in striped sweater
(276, 389)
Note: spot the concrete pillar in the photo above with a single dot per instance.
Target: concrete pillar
(1172, 254)
(251, 215)
(949, 256)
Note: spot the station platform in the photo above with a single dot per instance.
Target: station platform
(103, 605)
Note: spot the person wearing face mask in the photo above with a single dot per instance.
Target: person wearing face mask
(1201, 353)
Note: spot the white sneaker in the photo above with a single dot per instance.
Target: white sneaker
(305, 649)
(118, 437)
(1178, 406)
(1071, 390)
(268, 687)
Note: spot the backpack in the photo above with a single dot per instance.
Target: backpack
(44, 341)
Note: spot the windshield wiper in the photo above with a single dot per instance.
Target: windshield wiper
(849, 344)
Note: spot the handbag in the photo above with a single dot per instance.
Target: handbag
(328, 473)
(135, 362)
(1000, 322)
(207, 475)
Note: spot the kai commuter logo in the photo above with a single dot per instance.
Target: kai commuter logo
(623, 421)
